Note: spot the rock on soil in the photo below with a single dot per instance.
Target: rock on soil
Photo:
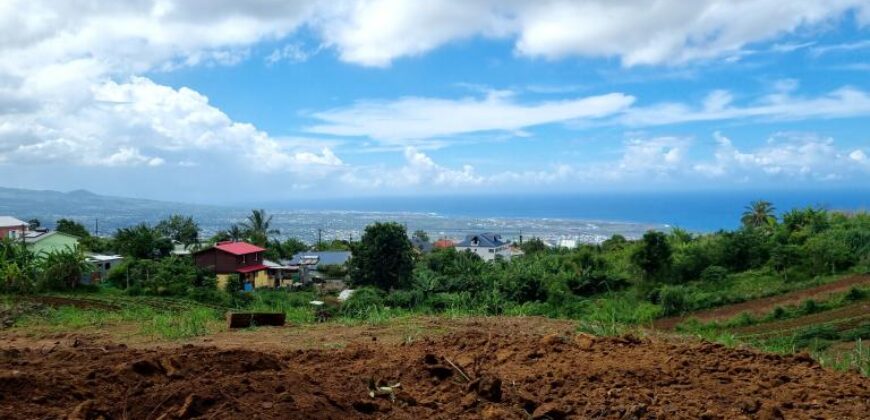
(508, 376)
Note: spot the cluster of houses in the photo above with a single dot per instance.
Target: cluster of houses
(248, 261)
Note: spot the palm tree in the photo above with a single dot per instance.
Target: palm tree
(758, 214)
(258, 227)
(235, 233)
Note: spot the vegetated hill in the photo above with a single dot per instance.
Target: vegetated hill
(88, 208)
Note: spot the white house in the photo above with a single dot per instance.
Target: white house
(12, 228)
(487, 245)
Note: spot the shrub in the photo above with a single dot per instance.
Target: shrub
(714, 274)
(404, 299)
(673, 299)
(332, 271)
(809, 307)
(234, 284)
(855, 294)
(444, 301)
(362, 301)
(778, 313)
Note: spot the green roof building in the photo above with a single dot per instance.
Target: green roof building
(44, 242)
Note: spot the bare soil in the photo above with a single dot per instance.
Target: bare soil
(490, 368)
(765, 305)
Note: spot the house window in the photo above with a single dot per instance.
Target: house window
(243, 259)
(491, 250)
(256, 257)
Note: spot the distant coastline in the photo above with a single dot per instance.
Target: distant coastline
(589, 217)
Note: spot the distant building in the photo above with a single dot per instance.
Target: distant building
(561, 243)
(241, 258)
(311, 264)
(420, 245)
(488, 246)
(103, 264)
(43, 241)
(12, 228)
(443, 243)
(281, 275)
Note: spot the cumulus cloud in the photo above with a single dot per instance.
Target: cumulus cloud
(115, 123)
(641, 161)
(71, 85)
(644, 32)
(784, 155)
(416, 118)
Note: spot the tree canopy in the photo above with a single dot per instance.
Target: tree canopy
(71, 227)
(181, 229)
(383, 257)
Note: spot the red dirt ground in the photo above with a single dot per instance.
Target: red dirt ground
(765, 305)
(482, 372)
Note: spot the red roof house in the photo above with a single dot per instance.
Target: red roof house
(227, 258)
(443, 243)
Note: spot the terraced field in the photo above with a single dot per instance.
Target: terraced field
(845, 318)
(765, 305)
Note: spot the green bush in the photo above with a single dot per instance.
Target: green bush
(855, 294)
(445, 301)
(404, 299)
(809, 307)
(778, 313)
(234, 284)
(362, 301)
(714, 274)
(673, 299)
(332, 271)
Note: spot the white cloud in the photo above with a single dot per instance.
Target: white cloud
(128, 156)
(419, 118)
(293, 52)
(781, 105)
(640, 32)
(135, 122)
(788, 155)
(840, 48)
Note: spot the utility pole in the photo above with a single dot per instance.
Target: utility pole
(97, 227)
(319, 238)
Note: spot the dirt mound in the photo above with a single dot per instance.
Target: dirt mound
(472, 374)
(765, 305)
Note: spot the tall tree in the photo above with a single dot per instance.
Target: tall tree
(142, 241)
(258, 227)
(71, 227)
(654, 257)
(182, 229)
(758, 214)
(383, 257)
(421, 235)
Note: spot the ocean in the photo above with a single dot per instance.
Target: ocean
(590, 217)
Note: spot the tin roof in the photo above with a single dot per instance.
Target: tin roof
(8, 221)
(252, 268)
(238, 248)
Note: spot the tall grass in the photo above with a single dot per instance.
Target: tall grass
(182, 324)
(858, 359)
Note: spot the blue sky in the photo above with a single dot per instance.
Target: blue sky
(222, 101)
